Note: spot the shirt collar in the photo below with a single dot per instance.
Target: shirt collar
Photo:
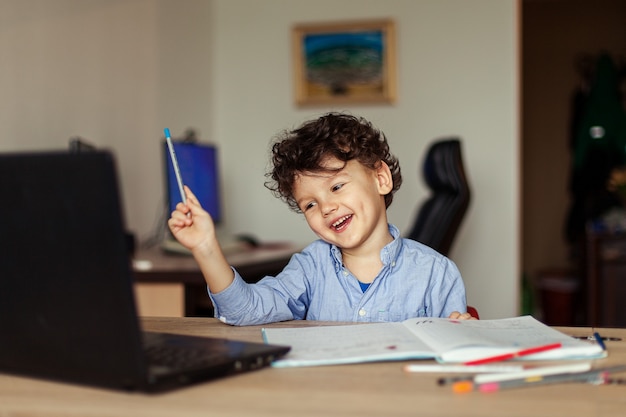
(390, 252)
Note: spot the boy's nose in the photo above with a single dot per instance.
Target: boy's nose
(328, 207)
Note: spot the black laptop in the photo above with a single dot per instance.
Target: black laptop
(67, 307)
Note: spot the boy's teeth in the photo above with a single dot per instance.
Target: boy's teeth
(338, 222)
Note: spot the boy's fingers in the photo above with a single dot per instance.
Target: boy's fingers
(181, 208)
(177, 220)
(191, 196)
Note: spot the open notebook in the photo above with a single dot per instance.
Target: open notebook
(67, 307)
(446, 340)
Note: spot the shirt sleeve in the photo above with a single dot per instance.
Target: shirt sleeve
(448, 292)
(272, 299)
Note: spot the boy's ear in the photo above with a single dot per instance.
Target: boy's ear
(384, 179)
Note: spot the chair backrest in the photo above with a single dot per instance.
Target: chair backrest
(440, 216)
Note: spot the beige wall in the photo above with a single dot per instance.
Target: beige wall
(117, 72)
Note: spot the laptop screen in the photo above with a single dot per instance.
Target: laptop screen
(199, 170)
(67, 306)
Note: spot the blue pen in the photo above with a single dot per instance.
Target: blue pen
(599, 340)
(179, 179)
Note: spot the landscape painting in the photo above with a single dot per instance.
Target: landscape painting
(344, 63)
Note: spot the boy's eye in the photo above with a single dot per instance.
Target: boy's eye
(309, 206)
(336, 187)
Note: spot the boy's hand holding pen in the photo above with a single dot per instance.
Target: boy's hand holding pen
(190, 223)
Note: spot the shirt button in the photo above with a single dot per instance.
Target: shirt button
(362, 312)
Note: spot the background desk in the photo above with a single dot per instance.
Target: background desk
(375, 389)
(606, 279)
(173, 285)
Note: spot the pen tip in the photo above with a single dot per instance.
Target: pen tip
(167, 132)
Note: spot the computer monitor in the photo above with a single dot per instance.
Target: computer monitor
(199, 170)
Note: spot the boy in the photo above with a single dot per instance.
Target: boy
(338, 172)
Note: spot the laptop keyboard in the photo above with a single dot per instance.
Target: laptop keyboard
(167, 351)
(180, 357)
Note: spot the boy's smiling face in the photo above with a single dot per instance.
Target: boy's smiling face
(345, 205)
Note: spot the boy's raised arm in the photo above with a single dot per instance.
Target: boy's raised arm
(193, 227)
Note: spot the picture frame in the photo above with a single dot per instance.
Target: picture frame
(344, 62)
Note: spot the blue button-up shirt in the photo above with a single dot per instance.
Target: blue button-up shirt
(415, 281)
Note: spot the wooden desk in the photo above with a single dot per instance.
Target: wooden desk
(375, 389)
(164, 277)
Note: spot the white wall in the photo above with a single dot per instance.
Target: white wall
(85, 68)
(118, 71)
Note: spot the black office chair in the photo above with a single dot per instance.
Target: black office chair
(440, 216)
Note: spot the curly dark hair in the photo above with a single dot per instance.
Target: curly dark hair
(338, 135)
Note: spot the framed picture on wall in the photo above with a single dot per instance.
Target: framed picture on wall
(344, 63)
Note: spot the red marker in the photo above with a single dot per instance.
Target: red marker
(513, 355)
